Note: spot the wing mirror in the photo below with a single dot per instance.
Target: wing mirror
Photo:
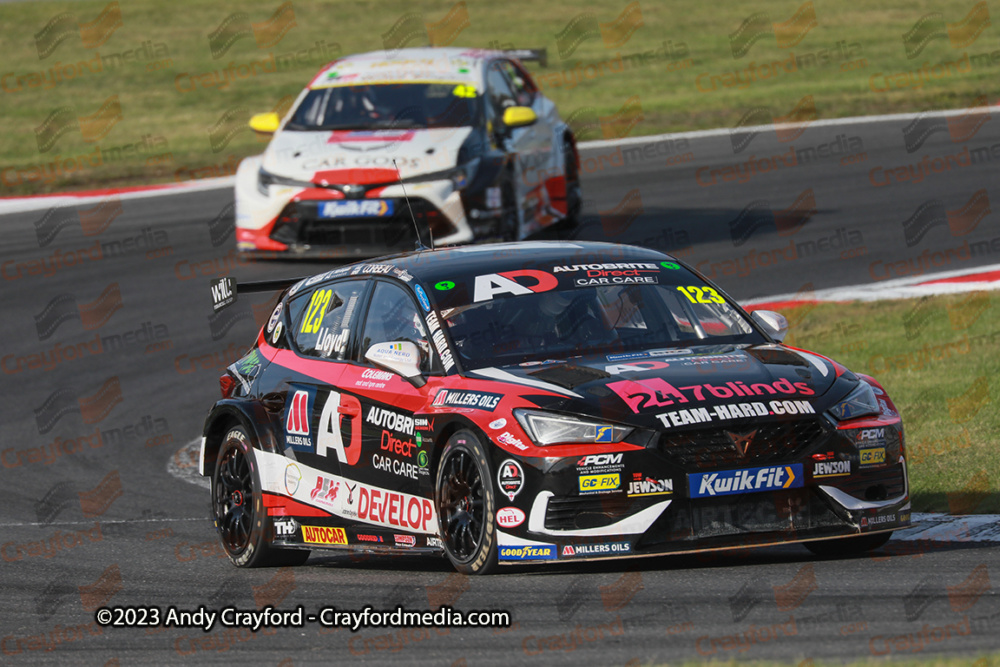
(400, 357)
(773, 323)
(265, 123)
(519, 117)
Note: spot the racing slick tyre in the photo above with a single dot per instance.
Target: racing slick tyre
(847, 546)
(466, 505)
(574, 196)
(238, 507)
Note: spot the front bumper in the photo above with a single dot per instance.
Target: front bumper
(656, 508)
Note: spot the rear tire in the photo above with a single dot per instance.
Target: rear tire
(244, 527)
(466, 505)
(847, 546)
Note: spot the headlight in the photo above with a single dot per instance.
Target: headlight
(266, 178)
(859, 403)
(546, 428)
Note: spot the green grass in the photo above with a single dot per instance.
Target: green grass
(693, 35)
(939, 360)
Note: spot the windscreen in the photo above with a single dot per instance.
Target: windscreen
(528, 315)
(387, 106)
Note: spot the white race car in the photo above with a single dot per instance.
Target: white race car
(461, 138)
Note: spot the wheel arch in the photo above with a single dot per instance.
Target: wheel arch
(224, 416)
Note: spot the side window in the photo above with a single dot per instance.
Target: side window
(393, 316)
(323, 318)
(523, 91)
(500, 94)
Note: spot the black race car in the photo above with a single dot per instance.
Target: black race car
(541, 402)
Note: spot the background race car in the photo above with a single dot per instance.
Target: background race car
(460, 139)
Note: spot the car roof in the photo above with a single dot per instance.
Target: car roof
(432, 266)
(429, 64)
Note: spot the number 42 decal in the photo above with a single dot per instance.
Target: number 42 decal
(338, 406)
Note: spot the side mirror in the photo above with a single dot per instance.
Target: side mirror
(265, 123)
(773, 323)
(519, 117)
(400, 357)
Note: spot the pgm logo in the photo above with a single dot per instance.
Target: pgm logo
(933, 214)
(959, 35)
(750, 480)
(494, 284)
(539, 552)
(614, 34)
(92, 128)
(237, 25)
(599, 460)
(871, 434)
(759, 214)
(297, 422)
(786, 34)
(749, 124)
(92, 33)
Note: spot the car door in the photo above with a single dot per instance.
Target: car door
(321, 425)
(520, 143)
(394, 456)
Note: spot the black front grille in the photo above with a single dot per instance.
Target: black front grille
(300, 223)
(873, 485)
(592, 511)
(765, 443)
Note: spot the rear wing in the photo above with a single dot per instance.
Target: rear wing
(541, 56)
(225, 290)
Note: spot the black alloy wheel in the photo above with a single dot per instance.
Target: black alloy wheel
(238, 507)
(466, 505)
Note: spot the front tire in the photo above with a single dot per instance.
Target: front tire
(242, 521)
(847, 546)
(466, 505)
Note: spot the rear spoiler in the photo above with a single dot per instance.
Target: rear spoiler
(541, 56)
(225, 290)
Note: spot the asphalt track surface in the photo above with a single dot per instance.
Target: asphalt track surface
(92, 517)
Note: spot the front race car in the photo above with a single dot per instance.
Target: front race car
(655, 417)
